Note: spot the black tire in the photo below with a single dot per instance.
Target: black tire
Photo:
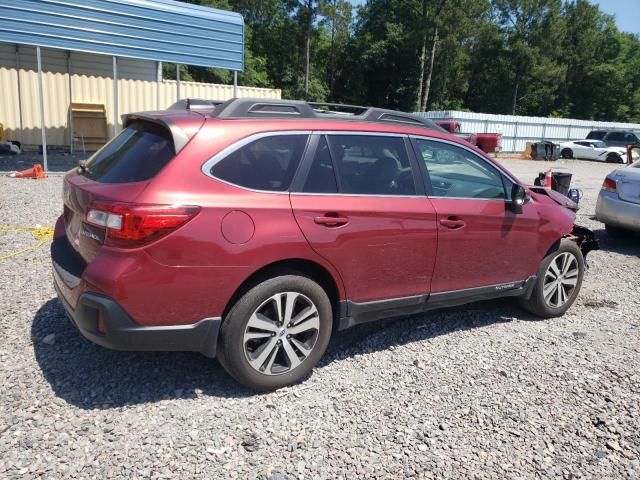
(613, 158)
(231, 341)
(566, 153)
(616, 232)
(537, 304)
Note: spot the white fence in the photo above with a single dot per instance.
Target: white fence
(517, 131)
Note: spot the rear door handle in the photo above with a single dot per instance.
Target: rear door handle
(329, 221)
(452, 223)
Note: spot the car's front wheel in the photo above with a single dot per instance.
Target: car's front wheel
(558, 282)
(276, 332)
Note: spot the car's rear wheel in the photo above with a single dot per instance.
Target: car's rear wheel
(566, 153)
(558, 282)
(276, 332)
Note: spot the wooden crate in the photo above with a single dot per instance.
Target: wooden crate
(89, 124)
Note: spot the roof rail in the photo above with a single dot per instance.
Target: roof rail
(195, 104)
(238, 108)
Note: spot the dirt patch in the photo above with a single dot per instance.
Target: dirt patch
(600, 303)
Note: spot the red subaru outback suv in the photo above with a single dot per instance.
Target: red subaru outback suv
(250, 230)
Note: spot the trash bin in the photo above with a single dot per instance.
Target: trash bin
(545, 150)
(560, 182)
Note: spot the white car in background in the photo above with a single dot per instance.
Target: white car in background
(593, 150)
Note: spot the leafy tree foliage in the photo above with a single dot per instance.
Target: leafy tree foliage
(528, 57)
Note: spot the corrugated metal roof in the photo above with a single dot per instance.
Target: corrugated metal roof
(160, 30)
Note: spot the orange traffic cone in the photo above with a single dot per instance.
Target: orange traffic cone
(35, 172)
(548, 179)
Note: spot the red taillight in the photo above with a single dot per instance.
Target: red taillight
(131, 225)
(609, 185)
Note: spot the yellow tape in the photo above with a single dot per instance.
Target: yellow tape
(41, 234)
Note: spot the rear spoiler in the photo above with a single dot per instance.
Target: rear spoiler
(180, 138)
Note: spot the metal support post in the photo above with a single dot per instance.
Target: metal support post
(42, 121)
(235, 84)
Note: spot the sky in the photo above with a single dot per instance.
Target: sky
(626, 12)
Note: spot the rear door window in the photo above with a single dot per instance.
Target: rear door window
(136, 154)
(372, 164)
(267, 163)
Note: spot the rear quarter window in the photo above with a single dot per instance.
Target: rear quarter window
(136, 154)
(267, 163)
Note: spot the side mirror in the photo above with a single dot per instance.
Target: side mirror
(518, 198)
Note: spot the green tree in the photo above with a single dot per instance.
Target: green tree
(533, 31)
(336, 20)
(531, 57)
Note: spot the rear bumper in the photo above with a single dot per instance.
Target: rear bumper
(118, 331)
(613, 211)
(102, 320)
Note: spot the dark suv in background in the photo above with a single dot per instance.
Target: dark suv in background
(251, 230)
(615, 138)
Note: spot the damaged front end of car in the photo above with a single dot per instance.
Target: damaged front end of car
(585, 239)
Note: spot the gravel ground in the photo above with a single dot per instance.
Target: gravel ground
(483, 391)
(57, 163)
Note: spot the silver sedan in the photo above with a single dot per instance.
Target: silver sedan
(618, 204)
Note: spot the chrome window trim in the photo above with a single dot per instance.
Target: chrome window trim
(359, 133)
(309, 194)
(208, 165)
(363, 134)
(475, 154)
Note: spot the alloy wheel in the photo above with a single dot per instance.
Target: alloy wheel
(560, 279)
(281, 333)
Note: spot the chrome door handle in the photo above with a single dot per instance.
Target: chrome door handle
(452, 223)
(328, 221)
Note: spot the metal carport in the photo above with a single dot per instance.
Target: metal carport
(157, 30)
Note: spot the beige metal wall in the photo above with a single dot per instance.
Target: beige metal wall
(91, 81)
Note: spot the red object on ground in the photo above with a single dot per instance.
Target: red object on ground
(34, 172)
(488, 142)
